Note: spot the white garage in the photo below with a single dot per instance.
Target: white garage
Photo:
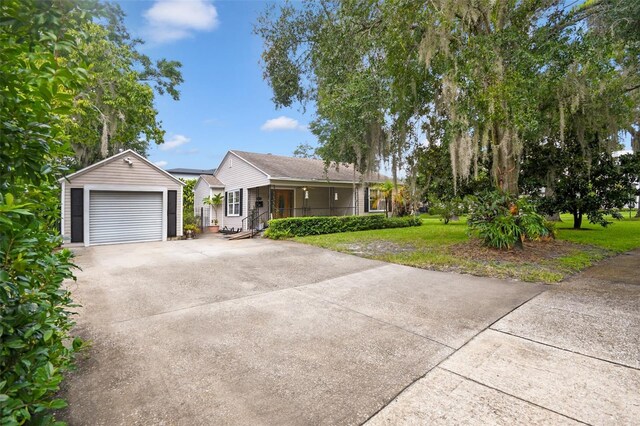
(122, 199)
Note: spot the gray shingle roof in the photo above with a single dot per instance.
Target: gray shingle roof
(212, 181)
(281, 167)
(193, 171)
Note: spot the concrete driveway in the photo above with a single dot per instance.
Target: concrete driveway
(211, 331)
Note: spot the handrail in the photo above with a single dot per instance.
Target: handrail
(252, 220)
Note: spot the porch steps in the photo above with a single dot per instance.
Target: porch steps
(242, 235)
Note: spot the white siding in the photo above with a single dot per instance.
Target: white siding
(201, 191)
(117, 172)
(236, 173)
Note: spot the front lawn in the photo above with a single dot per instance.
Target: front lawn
(448, 248)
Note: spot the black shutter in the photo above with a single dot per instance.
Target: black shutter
(241, 191)
(77, 215)
(226, 197)
(172, 217)
(366, 200)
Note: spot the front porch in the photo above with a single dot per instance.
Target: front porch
(281, 201)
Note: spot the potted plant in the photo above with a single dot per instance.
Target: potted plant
(214, 201)
(190, 231)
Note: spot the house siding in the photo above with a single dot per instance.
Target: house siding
(117, 172)
(201, 191)
(236, 173)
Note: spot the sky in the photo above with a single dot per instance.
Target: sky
(224, 101)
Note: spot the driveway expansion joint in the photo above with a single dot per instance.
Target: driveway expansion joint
(619, 364)
(511, 395)
(452, 354)
(199, 305)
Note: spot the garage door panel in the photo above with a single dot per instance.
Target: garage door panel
(116, 217)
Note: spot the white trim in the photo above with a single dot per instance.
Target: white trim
(113, 158)
(226, 201)
(62, 195)
(121, 188)
(316, 183)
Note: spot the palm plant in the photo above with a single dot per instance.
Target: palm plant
(386, 195)
(214, 201)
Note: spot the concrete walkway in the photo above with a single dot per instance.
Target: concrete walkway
(571, 355)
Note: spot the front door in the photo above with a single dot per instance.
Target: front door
(283, 203)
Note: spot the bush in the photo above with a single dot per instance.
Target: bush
(34, 320)
(502, 221)
(447, 209)
(301, 226)
(40, 80)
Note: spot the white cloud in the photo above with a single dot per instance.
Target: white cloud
(282, 123)
(161, 163)
(171, 20)
(174, 142)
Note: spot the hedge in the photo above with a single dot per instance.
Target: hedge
(301, 226)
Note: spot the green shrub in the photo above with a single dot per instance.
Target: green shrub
(447, 209)
(34, 320)
(301, 226)
(40, 80)
(502, 221)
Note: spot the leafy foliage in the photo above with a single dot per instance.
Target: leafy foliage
(305, 150)
(215, 202)
(37, 87)
(115, 108)
(447, 209)
(301, 226)
(188, 195)
(588, 180)
(503, 221)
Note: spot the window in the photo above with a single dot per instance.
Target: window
(376, 200)
(233, 203)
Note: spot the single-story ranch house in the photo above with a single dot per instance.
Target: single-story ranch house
(260, 187)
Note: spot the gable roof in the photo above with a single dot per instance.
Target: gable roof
(305, 169)
(212, 181)
(128, 152)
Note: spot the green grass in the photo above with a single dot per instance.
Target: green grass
(446, 247)
(622, 235)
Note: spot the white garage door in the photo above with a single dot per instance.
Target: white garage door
(120, 217)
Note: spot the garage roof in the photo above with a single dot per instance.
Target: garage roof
(119, 155)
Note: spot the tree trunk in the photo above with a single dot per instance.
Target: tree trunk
(638, 213)
(577, 220)
(505, 161)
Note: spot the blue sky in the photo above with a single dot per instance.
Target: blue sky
(225, 103)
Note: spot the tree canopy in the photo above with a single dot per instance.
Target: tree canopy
(484, 80)
(115, 109)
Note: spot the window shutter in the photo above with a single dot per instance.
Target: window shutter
(241, 211)
(226, 205)
(366, 200)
